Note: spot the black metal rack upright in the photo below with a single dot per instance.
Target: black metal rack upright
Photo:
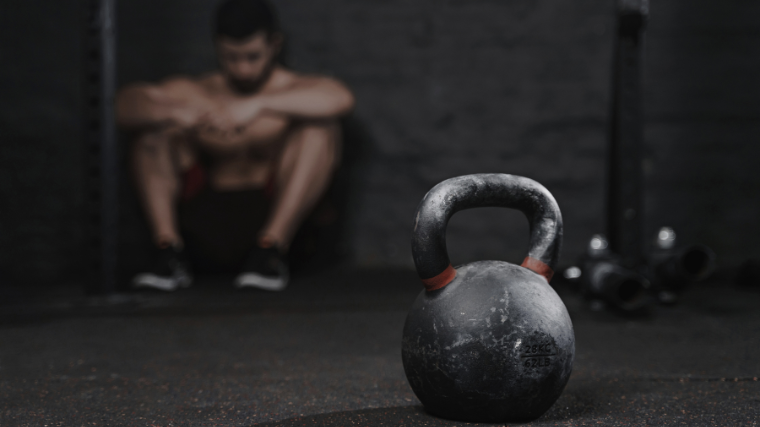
(624, 177)
(100, 140)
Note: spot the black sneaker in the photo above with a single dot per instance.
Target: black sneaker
(264, 269)
(169, 273)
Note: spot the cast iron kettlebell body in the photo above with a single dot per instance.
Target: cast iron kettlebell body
(487, 341)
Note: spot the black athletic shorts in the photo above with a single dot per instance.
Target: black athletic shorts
(220, 228)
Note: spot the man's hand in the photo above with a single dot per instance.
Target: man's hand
(232, 115)
(215, 138)
(219, 128)
(186, 116)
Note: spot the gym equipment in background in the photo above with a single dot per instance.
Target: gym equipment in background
(101, 149)
(605, 282)
(488, 341)
(616, 270)
(671, 269)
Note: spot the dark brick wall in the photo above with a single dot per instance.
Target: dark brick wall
(41, 171)
(702, 103)
(444, 88)
(464, 87)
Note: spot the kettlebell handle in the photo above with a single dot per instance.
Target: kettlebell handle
(484, 190)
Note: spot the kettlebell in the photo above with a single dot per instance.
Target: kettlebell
(488, 341)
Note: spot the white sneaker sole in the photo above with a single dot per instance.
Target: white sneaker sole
(254, 280)
(167, 284)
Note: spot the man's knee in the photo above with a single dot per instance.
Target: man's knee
(323, 135)
(165, 143)
(312, 143)
(326, 131)
(151, 142)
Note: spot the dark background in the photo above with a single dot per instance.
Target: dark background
(444, 88)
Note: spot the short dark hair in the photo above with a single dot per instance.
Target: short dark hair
(240, 19)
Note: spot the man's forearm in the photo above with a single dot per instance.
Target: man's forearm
(141, 107)
(315, 99)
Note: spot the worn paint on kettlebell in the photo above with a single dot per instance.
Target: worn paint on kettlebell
(495, 343)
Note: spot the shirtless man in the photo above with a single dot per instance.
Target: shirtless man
(228, 164)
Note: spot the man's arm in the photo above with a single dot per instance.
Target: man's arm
(309, 98)
(145, 106)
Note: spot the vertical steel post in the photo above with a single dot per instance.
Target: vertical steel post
(624, 177)
(102, 156)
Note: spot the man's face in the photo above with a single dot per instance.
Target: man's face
(246, 63)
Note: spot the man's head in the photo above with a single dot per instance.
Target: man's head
(248, 39)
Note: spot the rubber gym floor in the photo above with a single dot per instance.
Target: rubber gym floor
(326, 352)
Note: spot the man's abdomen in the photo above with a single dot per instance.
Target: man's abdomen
(254, 163)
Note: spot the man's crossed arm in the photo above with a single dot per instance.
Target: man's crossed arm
(148, 106)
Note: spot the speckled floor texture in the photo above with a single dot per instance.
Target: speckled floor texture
(326, 352)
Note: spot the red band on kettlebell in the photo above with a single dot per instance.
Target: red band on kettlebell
(539, 267)
(440, 280)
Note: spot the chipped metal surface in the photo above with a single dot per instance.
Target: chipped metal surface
(496, 344)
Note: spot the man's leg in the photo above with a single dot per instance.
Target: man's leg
(156, 162)
(156, 174)
(310, 155)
